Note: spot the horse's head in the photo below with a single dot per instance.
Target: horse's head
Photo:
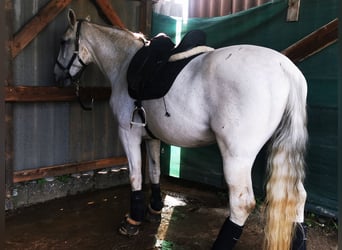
(73, 54)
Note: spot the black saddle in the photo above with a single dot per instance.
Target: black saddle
(150, 75)
(191, 40)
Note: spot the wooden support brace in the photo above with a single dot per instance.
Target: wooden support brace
(46, 15)
(37, 24)
(54, 94)
(57, 170)
(109, 12)
(313, 43)
(293, 10)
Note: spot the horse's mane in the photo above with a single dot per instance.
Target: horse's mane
(111, 30)
(140, 36)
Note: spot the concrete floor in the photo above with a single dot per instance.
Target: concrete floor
(191, 219)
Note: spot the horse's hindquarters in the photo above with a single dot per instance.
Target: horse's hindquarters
(231, 92)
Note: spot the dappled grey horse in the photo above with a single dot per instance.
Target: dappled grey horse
(239, 96)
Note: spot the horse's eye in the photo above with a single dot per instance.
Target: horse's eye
(65, 41)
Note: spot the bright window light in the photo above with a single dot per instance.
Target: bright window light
(175, 158)
(183, 20)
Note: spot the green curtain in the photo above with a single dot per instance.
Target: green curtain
(266, 26)
(221, 31)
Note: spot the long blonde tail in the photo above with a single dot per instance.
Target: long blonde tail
(286, 169)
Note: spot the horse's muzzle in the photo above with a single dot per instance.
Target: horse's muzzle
(62, 77)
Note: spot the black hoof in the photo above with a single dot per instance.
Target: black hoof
(128, 229)
(299, 241)
(152, 215)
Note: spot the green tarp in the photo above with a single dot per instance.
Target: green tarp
(266, 26)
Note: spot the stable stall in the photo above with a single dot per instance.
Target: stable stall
(63, 142)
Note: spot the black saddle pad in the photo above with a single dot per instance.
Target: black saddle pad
(150, 75)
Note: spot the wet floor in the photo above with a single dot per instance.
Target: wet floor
(191, 219)
(90, 221)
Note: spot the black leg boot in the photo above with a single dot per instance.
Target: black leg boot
(154, 210)
(137, 206)
(229, 234)
(156, 198)
(299, 240)
(130, 225)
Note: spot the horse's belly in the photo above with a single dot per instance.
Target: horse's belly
(181, 132)
(184, 140)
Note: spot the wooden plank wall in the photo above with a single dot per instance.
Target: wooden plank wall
(34, 94)
(37, 24)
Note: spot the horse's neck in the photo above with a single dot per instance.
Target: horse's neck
(112, 50)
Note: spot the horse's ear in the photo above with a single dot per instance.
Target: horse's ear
(88, 18)
(72, 18)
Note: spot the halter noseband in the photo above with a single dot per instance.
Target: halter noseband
(75, 55)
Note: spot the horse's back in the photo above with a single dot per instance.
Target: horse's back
(249, 76)
(249, 65)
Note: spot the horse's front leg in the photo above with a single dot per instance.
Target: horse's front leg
(131, 141)
(156, 202)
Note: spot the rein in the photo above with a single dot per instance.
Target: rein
(75, 79)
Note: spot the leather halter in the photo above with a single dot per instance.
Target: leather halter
(75, 55)
(66, 69)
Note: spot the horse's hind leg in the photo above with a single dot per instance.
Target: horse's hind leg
(299, 239)
(156, 202)
(237, 172)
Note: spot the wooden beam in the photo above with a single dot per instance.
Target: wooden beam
(54, 94)
(57, 170)
(293, 10)
(313, 43)
(109, 12)
(145, 16)
(35, 25)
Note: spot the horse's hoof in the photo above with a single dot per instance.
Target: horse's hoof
(129, 229)
(152, 215)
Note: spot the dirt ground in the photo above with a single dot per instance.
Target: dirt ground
(191, 218)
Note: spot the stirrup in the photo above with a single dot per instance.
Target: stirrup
(142, 113)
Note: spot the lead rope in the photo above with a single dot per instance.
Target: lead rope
(77, 93)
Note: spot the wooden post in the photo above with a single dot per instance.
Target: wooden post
(9, 147)
(37, 24)
(3, 70)
(293, 10)
(145, 16)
